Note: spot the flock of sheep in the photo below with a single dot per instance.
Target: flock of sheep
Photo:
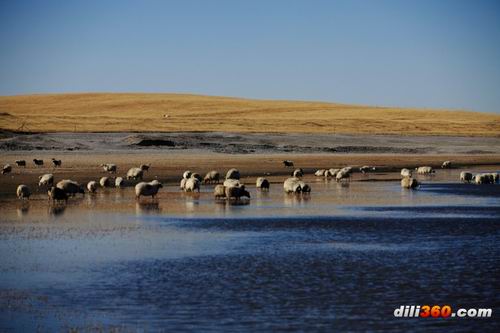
(231, 188)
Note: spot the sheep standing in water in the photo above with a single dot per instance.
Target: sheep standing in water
(135, 173)
(105, 182)
(234, 192)
(92, 186)
(484, 178)
(332, 172)
(6, 169)
(446, 165)
(406, 172)
(409, 183)
(192, 184)
(46, 180)
(295, 185)
(465, 176)
(425, 170)
(38, 162)
(23, 192)
(262, 183)
(57, 163)
(233, 174)
(232, 182)
(57, 194)
(70, 187)
(197, 176)
(119, 182)
(147, 189)
(111, 168)
(187, 174)
(344, 173)
(212, 177)
(220, 191)
(21, 163)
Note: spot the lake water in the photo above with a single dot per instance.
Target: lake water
(341, 259)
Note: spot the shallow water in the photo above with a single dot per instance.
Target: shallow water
(341, 258)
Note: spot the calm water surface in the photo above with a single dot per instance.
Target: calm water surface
(340, 259)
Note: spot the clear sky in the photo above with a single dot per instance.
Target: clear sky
(422, 53)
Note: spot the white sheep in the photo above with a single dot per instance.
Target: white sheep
(212, 177)
(320, 172)
(446, 165)
(465, 176)
(409, 183)
(135, 173)
(192, 184)
(343, 174)
(262, 183)
(232, 182)
(332, 172)
(147, 189)
(109, 167)
(424, 170)
(292, 185)
(105, 182)
(119, 182)
(6, 169)
(233, 174)
(234, 192)
(483, 178)
(92, 186)
(23, 192)
(187, 174)
(46, 180)
(219, 191)
(406, 172)
(183, 183)
(70, 186)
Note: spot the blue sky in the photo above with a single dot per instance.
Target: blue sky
(422, 53)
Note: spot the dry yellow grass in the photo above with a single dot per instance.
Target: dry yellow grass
(145, 113)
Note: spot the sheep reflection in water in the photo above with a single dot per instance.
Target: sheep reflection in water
(147, 207)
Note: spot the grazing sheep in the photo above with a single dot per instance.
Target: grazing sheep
(111, 168)
(320, 172)
(262, 183)
(298, 173)
(147, 189)
(92, 186)
(21, 163)
(446, 165)
(212, 177)
(343, 174)
(187, 174)
(46, 180)
(304, 188)
(135, 173)
(232, 182)
(197, 176)
(145, 167)
(234, 192)
(292, 185)
(23, 192)
(105, 182)
(233, 174)
(406, 172)
(57, 194)
(465, 176)
(219, 191)
(57, 163)
(331, 172)
(38, 162)
(367, 168)
(425, 170)
(192, 184)
(119, 182)
(410, 183)
(483, 178)
(70, 187)
(288, 163)
(6, 169)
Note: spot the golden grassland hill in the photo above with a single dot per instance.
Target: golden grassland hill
(104, 112)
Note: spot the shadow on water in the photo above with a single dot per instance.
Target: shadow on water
(485, 190)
